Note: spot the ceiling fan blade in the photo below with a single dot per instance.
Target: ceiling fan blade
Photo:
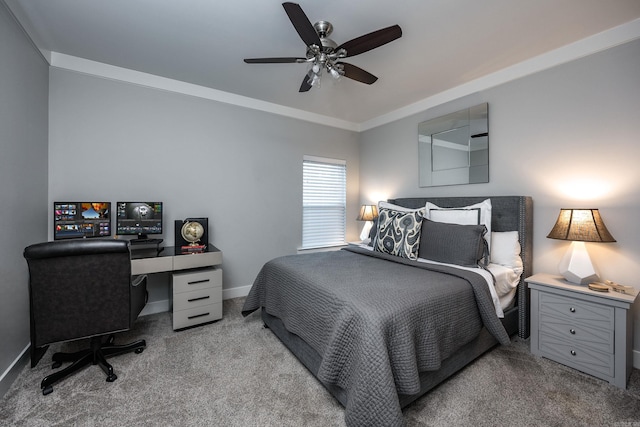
(275, 60)
(357, 73)
(305, 86)
(302, 24)
(371, 41)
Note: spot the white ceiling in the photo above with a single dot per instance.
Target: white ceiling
(445, 43)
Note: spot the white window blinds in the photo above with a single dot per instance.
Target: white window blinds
(324, 199)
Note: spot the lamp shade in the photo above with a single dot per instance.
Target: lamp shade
(579, 226)
(368, 213)
(583, 225)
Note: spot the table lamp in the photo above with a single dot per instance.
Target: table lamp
(367, 213)
(579, 226)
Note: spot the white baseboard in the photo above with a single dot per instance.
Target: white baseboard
(11, 373)
(155, 307)
(165, 305)
(240, 291)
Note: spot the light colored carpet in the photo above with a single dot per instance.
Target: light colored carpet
(235, 373)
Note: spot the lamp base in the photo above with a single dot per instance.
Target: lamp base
(576, 265)
(364, 236)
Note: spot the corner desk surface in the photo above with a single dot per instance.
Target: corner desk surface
(147, 261)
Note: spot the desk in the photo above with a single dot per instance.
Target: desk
(196, 281)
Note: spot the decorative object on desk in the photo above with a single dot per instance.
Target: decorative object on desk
(579, 226)
(180, 240)
(192, 231)
(367, 213)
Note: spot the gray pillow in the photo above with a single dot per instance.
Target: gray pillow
(398, 233)
(453, 243)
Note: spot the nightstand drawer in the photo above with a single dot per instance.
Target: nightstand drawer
(199, 298)
(197, 280)
(196, 316)
(576, 311)
(587, 360)
(578, 334)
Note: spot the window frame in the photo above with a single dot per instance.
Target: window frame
(334, 211)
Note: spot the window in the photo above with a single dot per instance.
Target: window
(324, 202)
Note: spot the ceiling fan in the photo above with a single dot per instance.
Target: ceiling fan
(325, 54)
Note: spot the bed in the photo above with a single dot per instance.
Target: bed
(379, 330)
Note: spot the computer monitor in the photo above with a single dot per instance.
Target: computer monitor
(75, 220)
(139, 218)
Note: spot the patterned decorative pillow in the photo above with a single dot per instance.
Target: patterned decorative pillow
(398, 233)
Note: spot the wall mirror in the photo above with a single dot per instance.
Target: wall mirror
(454, 149)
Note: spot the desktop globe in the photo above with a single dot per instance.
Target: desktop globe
(192, 231)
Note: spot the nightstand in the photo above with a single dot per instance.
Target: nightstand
(587, 330)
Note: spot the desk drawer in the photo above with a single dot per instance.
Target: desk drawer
(151, 265)
(199, 298)
(197, 260)
(197, 280)
(196, 316)
(577, 312)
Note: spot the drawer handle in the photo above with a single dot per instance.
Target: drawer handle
(573, 310)
(573, 352)
(195, 282)
(197, 315)
(198, 299)
(572, 331)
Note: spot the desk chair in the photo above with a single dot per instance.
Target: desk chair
(82, 289)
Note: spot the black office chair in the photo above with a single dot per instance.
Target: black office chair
(82, 289)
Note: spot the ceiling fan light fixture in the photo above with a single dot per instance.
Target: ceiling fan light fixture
(314, 78)
(335, 73)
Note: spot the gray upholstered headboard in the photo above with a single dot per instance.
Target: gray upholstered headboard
(508, 213)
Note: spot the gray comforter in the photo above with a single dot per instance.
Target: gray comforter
(376, 320)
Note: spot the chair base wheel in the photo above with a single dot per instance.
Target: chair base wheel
(111, 378)
(56, 365)
(139, 350)
(47, 390)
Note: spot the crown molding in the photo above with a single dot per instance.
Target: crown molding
(99, 69)
(590, 45)
(587, 46)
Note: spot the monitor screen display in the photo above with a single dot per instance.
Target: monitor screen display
(139, 218)
(74, 220)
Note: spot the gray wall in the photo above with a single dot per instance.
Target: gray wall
(23, 182)
(568, 137)
(241, 168)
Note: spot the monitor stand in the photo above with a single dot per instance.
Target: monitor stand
(143, 242)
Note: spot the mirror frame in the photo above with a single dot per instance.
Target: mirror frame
(439, 159)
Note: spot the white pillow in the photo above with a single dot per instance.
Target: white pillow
(479, 213)
(387, 205)
(506, 249)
